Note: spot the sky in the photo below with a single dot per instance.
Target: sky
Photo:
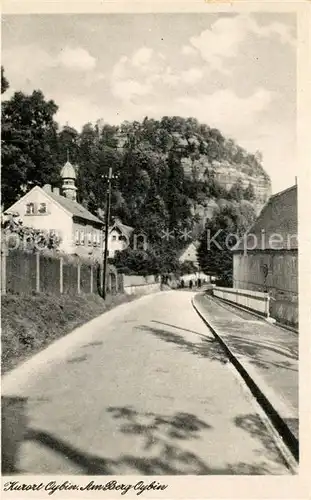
(236, 72)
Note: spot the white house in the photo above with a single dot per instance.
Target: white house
(48, 209)
(189, 253)
(121, 236)
(118, 237)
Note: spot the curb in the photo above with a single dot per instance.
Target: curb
(274, 416)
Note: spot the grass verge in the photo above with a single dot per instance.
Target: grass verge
(29, 323)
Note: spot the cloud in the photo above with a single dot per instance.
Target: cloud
(77, 111)
(142, 56)
(137, 74)
(226, 35)
(30, 62)
(187, 50)
(32, 65)
(277, 30)
(76, 59)
(168, 77)
(192, 75)
(277, 142)
(127, 89)
(225, 110)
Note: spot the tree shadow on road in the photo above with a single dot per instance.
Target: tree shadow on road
(156, 428)
(254, 426)
(165, 451)
(205, 348)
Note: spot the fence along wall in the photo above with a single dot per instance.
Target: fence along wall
(256, 301)
(24, 272)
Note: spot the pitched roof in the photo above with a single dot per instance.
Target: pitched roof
(276, 225)
(126, 230)
(186, 248)
(68, 171)
(75, 208)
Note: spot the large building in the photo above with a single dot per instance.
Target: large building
(266, 258)
(49, 209)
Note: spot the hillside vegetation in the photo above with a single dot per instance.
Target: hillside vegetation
(171, 173)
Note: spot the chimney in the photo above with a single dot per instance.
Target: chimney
(56, 190)
(47, 188)
(296, 180)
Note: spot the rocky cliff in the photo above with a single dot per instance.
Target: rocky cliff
(227, 174)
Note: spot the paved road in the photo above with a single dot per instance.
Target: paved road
(150, 393)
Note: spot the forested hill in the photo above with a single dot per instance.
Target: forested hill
(172, 172)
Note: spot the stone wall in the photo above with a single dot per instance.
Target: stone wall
(142, 289)
(140, 285)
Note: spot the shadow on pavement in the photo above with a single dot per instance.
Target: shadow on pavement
(206, 348)
(155, 428)
(264, 346)
(177, 328)
(263, 354)
(254, 426)
(161, 435)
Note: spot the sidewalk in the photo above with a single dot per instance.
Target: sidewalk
(265, 355)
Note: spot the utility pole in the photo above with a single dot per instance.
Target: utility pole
(107, 220)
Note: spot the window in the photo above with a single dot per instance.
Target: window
(98, 238)
(82, 237)
(77, 237)
(89, 238)
(30, 208)
(114, 237)
(95, 238)
(42, 208)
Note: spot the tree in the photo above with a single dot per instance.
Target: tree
(68, 145)
(237, 192)
(249, 192)
(188, 267)
(4, 81)
(221, 234)
(139, 262)
(29, 144)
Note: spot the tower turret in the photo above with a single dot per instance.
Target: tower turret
(69, 176)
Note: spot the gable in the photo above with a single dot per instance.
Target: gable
(68, 207)
(35, 195)
(189, 253)
(121, 229)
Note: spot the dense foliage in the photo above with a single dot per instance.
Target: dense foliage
(221, 234)
(165, 170)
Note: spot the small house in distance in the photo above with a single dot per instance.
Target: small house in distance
(48, 209)
(118, 237)
(266, 258)
(189, 254)
(121, 236)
